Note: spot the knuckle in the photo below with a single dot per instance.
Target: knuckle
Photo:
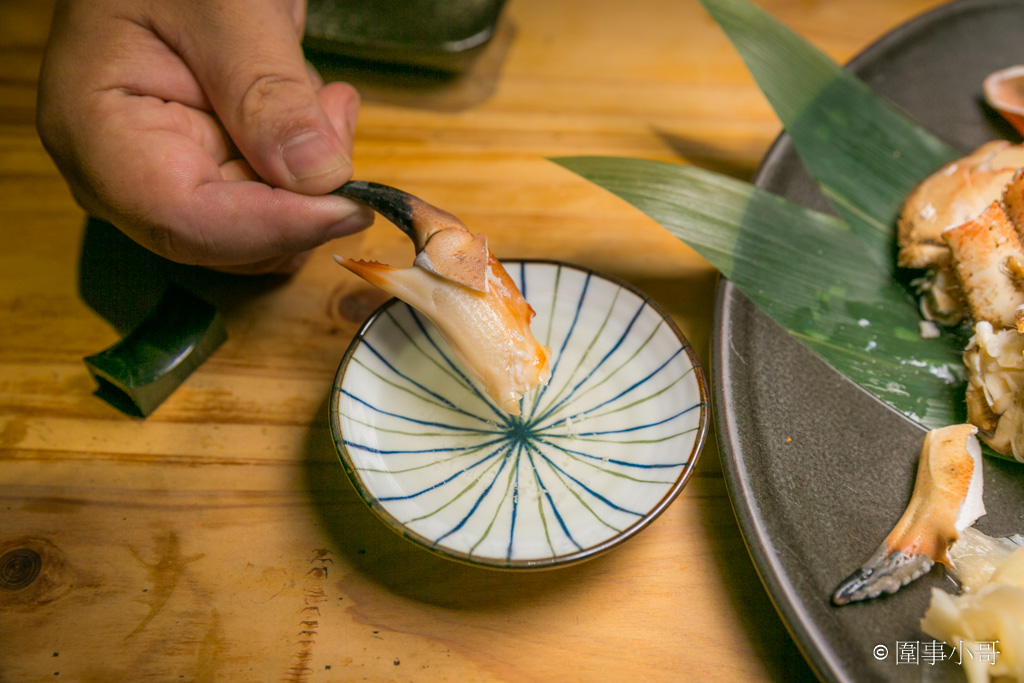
(158, 238)
(168, 237)
(266, 95)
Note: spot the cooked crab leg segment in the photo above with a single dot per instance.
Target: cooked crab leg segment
(489, 332)
(443, 244)
(459, 285)
(989, 264)
(1013, 200)
(947, 499)
(957, 192)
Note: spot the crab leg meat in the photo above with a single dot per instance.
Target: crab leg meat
(947, 499)
(995, 370)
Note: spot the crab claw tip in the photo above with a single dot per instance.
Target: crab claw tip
(885, 572)
(457, 255)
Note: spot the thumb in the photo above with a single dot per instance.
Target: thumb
(246, 56)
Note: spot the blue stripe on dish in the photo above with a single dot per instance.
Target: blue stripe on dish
(380, 410)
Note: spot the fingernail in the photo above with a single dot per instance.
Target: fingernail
(314, 76)
(361, 219)
(311, 154)
(352, 114)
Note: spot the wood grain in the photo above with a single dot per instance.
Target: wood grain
(218, 539)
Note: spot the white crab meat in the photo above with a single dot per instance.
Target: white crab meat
(956, 193)
(488, 331)
(995, 390)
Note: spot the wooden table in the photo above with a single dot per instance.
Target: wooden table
(219, 538)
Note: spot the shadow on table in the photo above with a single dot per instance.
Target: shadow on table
(765, 630)
(707, 155)
(122, 281)
(421, 88)
(170, 316)
(383, 559)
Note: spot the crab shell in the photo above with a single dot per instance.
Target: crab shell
(956, 193)
(989, 263)
(463, 290)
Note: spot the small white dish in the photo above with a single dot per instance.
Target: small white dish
(595, 456)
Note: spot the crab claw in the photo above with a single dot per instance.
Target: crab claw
(443, 244)
(489, 332)
(458, 284)
(947, 499)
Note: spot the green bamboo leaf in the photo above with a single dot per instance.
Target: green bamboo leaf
(865, 154)
(806, 270)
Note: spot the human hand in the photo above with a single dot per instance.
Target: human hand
(196, 128)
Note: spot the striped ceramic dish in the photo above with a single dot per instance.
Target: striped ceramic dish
(593, 458)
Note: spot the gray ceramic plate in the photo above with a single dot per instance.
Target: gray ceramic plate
(818, 470)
